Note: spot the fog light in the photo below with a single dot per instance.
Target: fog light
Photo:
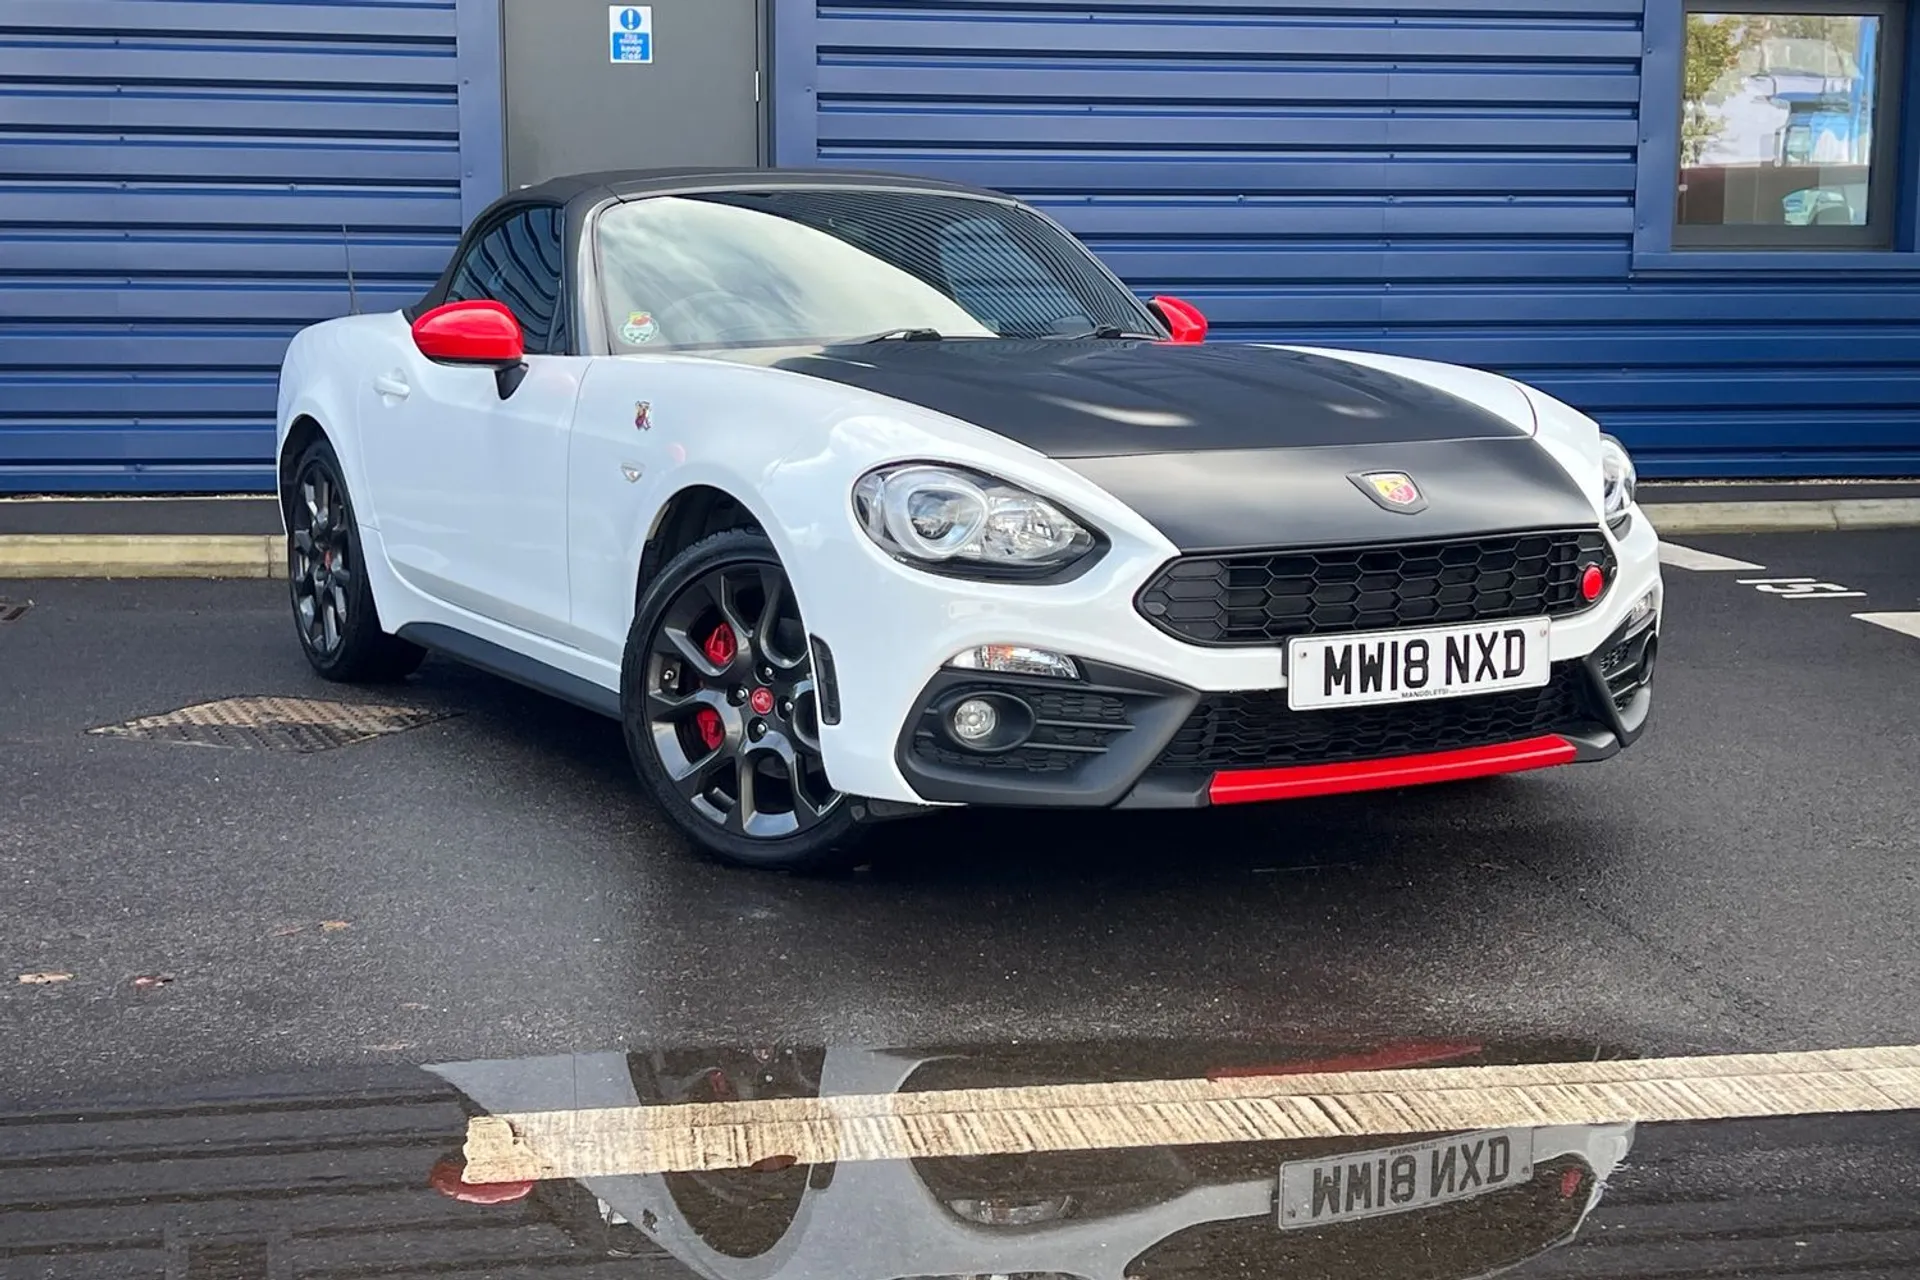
(1016, 660)
(975, 720)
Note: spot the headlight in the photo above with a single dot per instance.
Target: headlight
(951, 520)
(1618, 478)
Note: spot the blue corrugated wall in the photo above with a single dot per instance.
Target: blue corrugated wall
(178, 186)
(1451, 179)
(1444, 178)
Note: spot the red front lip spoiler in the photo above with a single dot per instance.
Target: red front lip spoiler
(1247, 786)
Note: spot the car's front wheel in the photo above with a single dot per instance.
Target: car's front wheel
(722, 713)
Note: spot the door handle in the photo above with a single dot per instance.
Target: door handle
(393, 385)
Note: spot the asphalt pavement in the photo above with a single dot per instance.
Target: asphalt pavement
(254, 981)
(354, 1174)
(491, 884)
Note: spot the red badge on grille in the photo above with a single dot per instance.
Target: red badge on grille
(1394, 490)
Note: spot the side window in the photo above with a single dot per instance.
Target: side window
(521, 263)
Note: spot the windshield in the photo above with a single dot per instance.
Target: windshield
(809, 266)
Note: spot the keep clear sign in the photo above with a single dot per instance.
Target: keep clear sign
(631, 29)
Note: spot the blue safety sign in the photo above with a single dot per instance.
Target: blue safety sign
(630, 32)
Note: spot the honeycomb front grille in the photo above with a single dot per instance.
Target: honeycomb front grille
(1266, 597)
(1258, 730)
(1625, 669)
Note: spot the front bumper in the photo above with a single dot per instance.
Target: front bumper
(1121, 738)
(891, 631)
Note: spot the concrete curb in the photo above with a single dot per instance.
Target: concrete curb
(255, 556)
(142, 556)
(1784, 517)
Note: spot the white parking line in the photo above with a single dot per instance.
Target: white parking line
(617, 1141)
(1700, 561)
(1801, 589)
(1904, 623)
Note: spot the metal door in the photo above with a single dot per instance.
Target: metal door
(572, 109)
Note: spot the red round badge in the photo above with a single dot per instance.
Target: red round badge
(762, 701)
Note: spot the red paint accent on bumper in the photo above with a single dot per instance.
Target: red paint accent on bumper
(1246, 786)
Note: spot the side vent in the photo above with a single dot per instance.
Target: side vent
(828, 680)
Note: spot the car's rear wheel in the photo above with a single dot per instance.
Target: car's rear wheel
(333, 607)
(722, 714)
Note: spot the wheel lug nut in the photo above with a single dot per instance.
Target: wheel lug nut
(737, 695)
(757, 730)
(766, 675)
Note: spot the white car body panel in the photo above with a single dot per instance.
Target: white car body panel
(472, 489)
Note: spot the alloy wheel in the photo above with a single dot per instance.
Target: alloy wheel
(322, 568)
(732, 707)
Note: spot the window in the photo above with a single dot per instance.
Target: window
(1788, 125)
(520, 263)
(809, 266)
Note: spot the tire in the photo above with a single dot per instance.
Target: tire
(333, 609)
(720, 712)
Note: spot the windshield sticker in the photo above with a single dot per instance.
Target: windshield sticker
(640, 329)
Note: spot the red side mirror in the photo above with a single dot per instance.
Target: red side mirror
(1183, 319)
(482, 333)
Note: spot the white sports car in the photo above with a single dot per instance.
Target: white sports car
(853, 496)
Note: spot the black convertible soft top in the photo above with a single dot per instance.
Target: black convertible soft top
(580, 194)
(632, 184)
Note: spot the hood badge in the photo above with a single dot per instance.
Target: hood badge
(643, 415)
(1393, 490)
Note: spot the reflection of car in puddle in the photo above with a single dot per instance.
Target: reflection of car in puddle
(1430, 1207)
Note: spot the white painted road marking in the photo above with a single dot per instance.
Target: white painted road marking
(619, 1141)
(1801, 588)
(1905, 623)
(1700, 561)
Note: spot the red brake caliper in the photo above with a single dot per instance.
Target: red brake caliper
(721, 647)
(706, 722)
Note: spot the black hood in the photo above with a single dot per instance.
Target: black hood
(1073, 399)
(1228, 500)
(1231, 447)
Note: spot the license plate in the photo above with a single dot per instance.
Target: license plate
(1372, 1184)
(1416, 664)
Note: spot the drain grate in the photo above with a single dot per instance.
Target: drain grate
(301, 725)
(13, 610)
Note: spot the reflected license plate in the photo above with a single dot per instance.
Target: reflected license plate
(1415, 664)
(1372, 1184)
